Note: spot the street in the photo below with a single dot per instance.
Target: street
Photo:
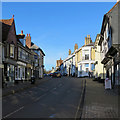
(55, 98)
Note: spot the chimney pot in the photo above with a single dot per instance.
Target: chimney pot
(21, 31)
(13, 16)
(29, 34)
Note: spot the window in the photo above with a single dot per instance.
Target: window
(19, 52)
(10, 70)
(23, 41)
(19, 72)
(23, 54)
(87, 65)
(11, 50)
(16, 72)
(86, 56)
(23, 72)
(26, 56)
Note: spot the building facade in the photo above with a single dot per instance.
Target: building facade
(17, 59)
(23, 69)
(99, 68)
(9, 49)
(110, 44)
(86, 58)
(38, 58)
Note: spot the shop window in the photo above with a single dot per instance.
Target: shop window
(10, 70)
(12, 50)
(87, 65)
(23, 72)
(19, 72)
(16, 72)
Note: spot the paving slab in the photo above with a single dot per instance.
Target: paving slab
(100, 103)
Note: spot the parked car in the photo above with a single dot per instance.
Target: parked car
(51, 74)
(56, 74)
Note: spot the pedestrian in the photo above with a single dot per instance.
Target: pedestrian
(89, 74)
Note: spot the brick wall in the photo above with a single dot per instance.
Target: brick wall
(28, 41)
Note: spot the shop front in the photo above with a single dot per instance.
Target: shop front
(9, 71)
(20, 71)
(117, 70)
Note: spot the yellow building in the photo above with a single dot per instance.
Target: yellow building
(99, 68)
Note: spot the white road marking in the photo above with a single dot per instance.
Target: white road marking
(13, 112)
(40, 97)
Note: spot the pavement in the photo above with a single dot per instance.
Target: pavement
(14, 88)
(98, 102)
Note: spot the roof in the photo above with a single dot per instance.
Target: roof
(35, 47)
(6, 25)
(113, 7)
(105, 17)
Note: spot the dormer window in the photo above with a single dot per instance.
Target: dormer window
(12, 47)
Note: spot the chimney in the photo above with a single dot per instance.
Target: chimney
(13, 17)
(88, 40)
(21, 32)
(69, 52)
(76, 47)
(28, 41)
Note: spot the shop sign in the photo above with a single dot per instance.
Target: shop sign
(21, 63)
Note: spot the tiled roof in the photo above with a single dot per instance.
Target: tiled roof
(6, 25)
(33, 46)
(7, 21)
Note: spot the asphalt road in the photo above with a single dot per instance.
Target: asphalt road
(55, 98)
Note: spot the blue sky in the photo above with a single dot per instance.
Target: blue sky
(56, 27)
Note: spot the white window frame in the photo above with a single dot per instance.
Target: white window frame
(11, 45)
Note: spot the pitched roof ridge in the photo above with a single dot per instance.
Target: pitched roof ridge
(7, 21)
(113, 7)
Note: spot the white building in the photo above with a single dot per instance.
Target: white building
(86, 64)
(69, 65)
